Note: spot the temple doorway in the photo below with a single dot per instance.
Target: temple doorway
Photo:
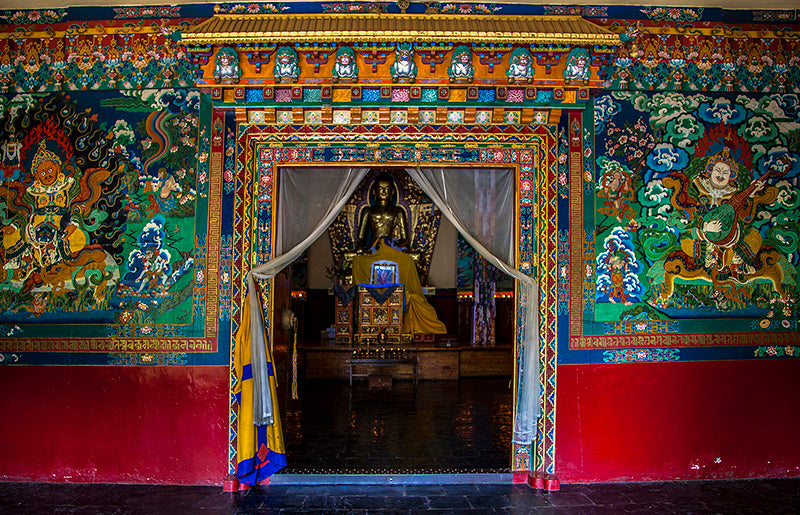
(450, 411)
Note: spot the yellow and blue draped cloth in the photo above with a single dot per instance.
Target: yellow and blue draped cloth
(260, 450)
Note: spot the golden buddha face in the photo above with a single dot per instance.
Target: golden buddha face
(47, 172)
(383, 190)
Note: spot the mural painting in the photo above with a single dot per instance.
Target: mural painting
(697, 207)
(98, 195)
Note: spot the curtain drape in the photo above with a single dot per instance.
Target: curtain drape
(458, 193)
(310, 200)
(260, 450)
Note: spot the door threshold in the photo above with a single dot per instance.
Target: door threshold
(455, 478)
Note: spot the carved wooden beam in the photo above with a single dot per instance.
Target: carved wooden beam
(316, 53)
(491, 54)
(374, 53)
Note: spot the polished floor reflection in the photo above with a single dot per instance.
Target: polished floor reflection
(433, 427)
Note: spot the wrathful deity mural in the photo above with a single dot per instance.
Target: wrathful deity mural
(97, 208)
(697, 206)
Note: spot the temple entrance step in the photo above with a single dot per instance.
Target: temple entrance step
(283, 478)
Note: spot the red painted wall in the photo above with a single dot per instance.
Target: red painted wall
(628, 422)
(114, 424)
(685, 420)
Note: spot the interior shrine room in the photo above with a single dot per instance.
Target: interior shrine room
(386, 296)
(511, 242)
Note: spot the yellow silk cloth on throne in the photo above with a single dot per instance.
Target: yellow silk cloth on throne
(420, 317)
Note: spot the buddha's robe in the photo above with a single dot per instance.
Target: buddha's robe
(419, 316)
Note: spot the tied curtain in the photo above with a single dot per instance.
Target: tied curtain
(260, 448)
(309, 201)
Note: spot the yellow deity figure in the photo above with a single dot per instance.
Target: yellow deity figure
(384, 219)
(51, 192)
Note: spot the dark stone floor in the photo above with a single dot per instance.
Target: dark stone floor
(433, 427)
(777, 496)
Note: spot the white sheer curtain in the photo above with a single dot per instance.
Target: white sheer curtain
(310, 199)
(479, 202)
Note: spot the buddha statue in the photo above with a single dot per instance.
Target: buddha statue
(383, 236)
(384, 219)
(387, 205)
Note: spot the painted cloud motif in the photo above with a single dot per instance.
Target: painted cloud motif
(721, 110)
(663, 159)
(604, 110)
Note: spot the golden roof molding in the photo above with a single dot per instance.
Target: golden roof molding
(231, 29)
